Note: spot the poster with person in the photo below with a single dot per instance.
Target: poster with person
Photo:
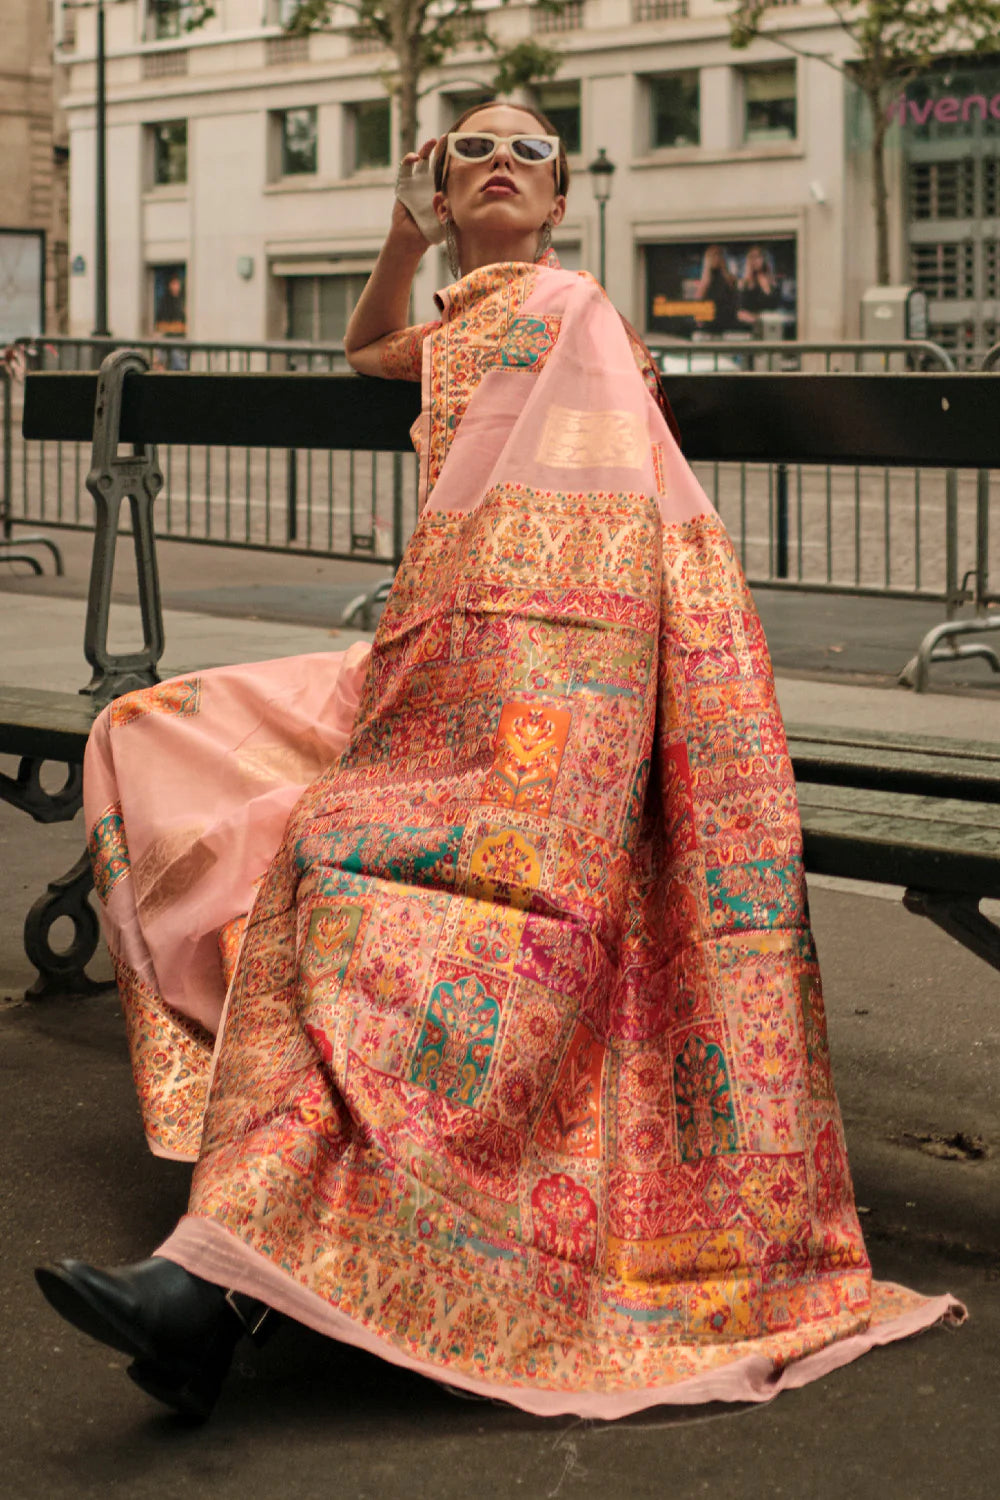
(711, 289)
(170, 301)
(170, 311)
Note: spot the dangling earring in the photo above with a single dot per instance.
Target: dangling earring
(451, 248)
(544, 240)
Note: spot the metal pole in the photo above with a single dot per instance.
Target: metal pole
(781, 522)
(981, 599)
(601, 241)
(292, 497)
(953, 593)
(7, 501)
(101, 329)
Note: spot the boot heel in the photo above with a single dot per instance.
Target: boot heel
(190, 1388)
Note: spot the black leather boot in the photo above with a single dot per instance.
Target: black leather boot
(179, 1329)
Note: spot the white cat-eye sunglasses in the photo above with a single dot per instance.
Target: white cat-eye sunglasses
(481, 145)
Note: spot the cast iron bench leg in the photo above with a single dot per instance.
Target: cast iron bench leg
(60, 971)
(63, 971)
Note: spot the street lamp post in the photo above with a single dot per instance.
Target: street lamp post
(101, 329)
(601, 172)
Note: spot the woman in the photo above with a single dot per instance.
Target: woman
(522, 1081)
(758, 290)
(718, 286)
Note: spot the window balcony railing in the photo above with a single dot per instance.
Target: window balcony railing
(363, 41)
(659, 10)
(281, 50)
(569, 17)
(165, 64)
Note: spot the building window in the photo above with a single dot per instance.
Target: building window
(318, 307)
(169, 288)
(282, 12)
(454, 105)
(561, 103)
(298, 131)
(675, 110)
(369, 134)
(769, 103)
(164, 19)
(170, 142)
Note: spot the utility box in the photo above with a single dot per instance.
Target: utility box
(892, 313)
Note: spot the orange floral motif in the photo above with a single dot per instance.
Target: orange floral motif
(529, 747)
(182, 696)
(571, 1125)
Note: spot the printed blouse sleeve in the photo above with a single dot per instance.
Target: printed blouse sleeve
(402, 352)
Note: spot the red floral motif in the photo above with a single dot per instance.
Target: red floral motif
(565, 1218)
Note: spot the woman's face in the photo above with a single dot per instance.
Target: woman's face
(500, 193)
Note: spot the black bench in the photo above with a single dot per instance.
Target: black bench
(922, 814)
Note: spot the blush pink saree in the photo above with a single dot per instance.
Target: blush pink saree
(522, 1078)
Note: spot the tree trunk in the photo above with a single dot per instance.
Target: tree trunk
(880, 189)
(406, 32)
(409, 83)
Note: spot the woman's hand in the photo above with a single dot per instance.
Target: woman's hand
(384, 304)
(403, 227)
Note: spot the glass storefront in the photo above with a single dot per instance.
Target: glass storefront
(949, 126)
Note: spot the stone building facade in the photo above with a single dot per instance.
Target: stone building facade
(34, 174)
(250, 173)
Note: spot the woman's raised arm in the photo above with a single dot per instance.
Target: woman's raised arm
(383, 307)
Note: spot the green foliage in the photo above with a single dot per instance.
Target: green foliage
(894, 42)
(524, 63)
(422, 34)
(197, 16)
(895, 39)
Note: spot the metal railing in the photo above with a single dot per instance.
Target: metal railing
(354, 506)
(903, 533)
(718, 355)
(883, 532)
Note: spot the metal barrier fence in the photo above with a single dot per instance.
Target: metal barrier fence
(884, 532)
(355, 506)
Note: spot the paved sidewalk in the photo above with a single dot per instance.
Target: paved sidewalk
(915, 1035)
(43, 638)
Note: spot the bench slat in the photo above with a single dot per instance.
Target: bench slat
(925, 843)
(905, 420)
(924, 765)
(46, 725)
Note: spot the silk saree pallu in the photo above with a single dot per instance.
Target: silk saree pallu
(187, 789)
(523, 1078)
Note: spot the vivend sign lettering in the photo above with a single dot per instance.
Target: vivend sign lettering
(948, 110)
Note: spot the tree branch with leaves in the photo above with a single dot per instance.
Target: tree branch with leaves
(893, 43)
(422, 35)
